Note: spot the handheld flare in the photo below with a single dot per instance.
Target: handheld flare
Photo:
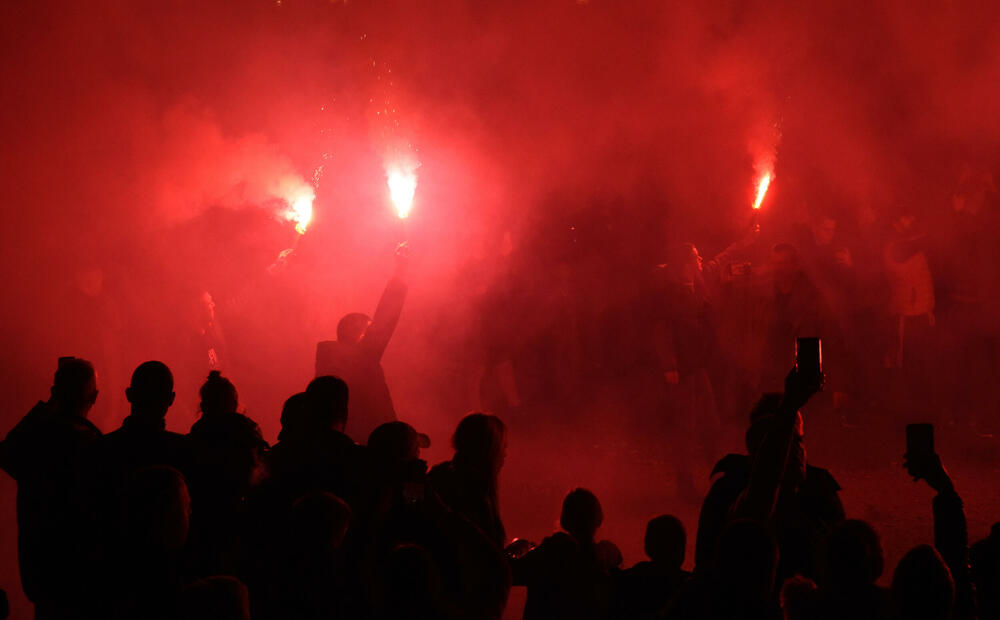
(402, 185)
(300, 211)
(762, 186)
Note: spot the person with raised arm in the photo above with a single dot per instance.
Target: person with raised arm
(356, 355)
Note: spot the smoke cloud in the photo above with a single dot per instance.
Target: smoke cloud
(152, 148)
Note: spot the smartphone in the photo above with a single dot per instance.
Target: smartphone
(809, 356)
(919, 440)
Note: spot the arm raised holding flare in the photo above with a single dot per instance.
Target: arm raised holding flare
(390, 306)
(356, 355)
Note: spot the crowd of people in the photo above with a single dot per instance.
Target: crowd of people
(142, 522)
(902, 294)
(342, 518)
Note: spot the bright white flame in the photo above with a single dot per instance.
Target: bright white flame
(300, 210)
(402, 186)
(765, 182)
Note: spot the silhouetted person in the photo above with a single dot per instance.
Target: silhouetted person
(468, 483)
(225, 449)
(150, 527)
(569, 574)
(741, 583)
(984, 559)
(648, 587)
(218, 597)
(356, 355)
(407, 511)
(799, 599)
(142, 440)
(412, 587)
(294, 415)
(951, 537)
(854, 562)
(310, 576)
(44, 453)
(911, 307)
(313, 453)
(778, 490)
(807, 504)
(922, 587)
(797, 309)
(686, 344)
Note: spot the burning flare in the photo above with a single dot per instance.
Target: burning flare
(300, 209)
(402, 186)
(762, 186)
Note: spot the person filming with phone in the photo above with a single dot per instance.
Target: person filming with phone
(916, 595)
(779, 487)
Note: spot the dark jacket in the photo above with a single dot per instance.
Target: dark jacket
(469, 495)
(565, 579)
(686, 340)
(139, 443)
(360, 365)
(316, 460)
(44, 453)
(224, 454)
(646, 589)
(802, 520)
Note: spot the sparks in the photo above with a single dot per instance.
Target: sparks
(765, 182)
(402, 186)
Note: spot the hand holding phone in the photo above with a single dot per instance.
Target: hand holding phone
(518, 548)
(921, 461)
(809, 356)
(807, 377)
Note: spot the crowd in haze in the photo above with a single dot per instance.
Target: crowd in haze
(142, 522)
(341, 517)
(903, 296)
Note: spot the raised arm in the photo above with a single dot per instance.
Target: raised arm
(390, 306)
(768, 468)
(951, 535)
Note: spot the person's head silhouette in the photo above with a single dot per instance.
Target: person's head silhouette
(581, 515)
(294, 414)
(685, 263)
(665, 541)
(326, 403)
(318, 523)
(74, 387)
(799, 599)
(352, 327)
(151, 391)
(922, 587)
(219, 597)
(853, 555)
(218, 395)
(396, 441)
(155, 510)
(784, 259)
(480, 440)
